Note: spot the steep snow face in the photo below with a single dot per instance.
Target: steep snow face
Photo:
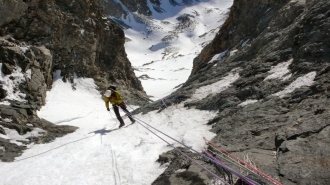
(162, 47)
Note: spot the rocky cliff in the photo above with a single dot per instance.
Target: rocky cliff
(276, 108)
(38, 37)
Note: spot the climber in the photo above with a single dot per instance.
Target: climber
(112, 95)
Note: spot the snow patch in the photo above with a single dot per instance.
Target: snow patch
(306, 80)
(218, 56)
(28, 73)
(233, 52)
(216, 87)
(11, 83)
(15, 137)
(245, 42)
(180, 170)
(247, 102)
(280, 71)
(24, 49)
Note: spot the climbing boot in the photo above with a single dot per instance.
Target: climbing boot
(121, 125)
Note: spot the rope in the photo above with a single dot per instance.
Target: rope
(53, 149)
(173, 104)
(245, 179)
(239, 165)
(243, 162)
(209, 158)
(164, 103)
(216, 176)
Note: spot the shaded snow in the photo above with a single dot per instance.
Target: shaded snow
(245, 42)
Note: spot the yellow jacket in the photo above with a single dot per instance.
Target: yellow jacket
(115, 98)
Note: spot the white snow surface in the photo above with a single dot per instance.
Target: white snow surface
(217, 87)
(125, 156)
(170, 62)
(10, 84)
(247, 102)
(306, 80)
(218, 56)
(280, 71)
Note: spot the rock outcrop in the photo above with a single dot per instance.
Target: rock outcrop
(38, 37)
(275, 109)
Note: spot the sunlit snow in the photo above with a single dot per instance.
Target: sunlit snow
(306, 80)
(171, 59)
(98, 154)
(218, 56)
(247, 102)
(216, 87)
(10, 84)
(125, 156)
(280, 71)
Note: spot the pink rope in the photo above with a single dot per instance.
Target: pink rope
(243, 162)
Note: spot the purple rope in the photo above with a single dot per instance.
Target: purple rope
(209, 158)
(245, 179)
(164, 103)
(187, 156)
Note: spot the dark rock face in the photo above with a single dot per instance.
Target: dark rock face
(80, 41)
(286, 136)
(180, 170)
(38, 37)
(137, 9)
(23, 119)
(120, 8)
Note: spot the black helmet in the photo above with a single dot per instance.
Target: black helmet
(112, 87)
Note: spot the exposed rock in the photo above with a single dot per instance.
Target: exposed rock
(286, 136)
(180, 170)
(10, 10)
(2, 131)
(9, 150)
(39, 37)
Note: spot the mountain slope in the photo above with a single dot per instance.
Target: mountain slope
(39, 37)
(267, 72)
(162, 44)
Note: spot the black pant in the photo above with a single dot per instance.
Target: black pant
(116, 109)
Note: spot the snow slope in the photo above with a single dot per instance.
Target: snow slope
(95, 153)
(162, 48)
